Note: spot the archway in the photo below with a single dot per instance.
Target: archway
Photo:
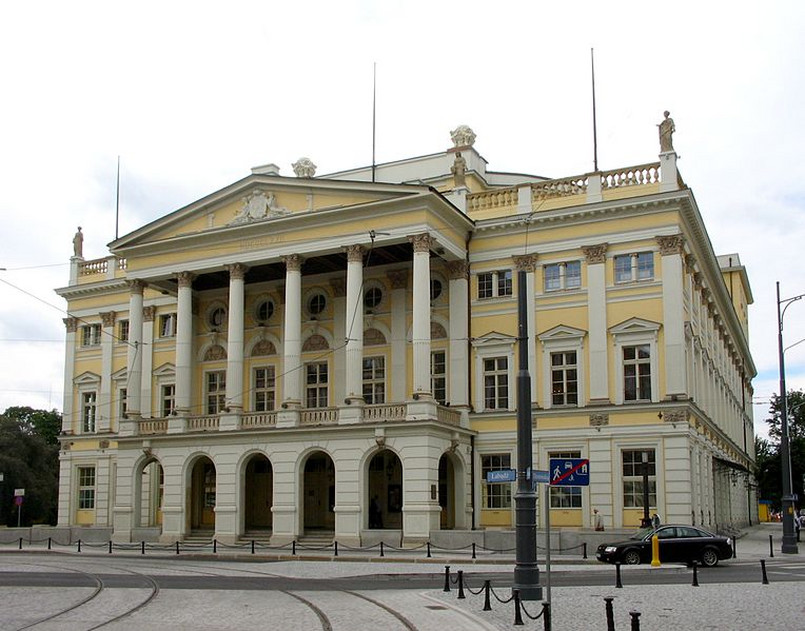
(202, 495)
(447, 493)
(258, 495)
(385, 485)
(318, 489)
(149, 494)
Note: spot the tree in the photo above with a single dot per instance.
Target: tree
(29, 459)
(768, 466)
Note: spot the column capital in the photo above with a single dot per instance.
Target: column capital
(422, 242)
(398, 278)
(293, 262)
(525, 263)
(185, 279)
(354, 253)
(70, 324)
(149, 313)
(671, 244)
(108, 318)
(237, 271)
(136, 286)
(458, 270)
(595, 253)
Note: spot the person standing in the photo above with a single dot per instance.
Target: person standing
(598, 521)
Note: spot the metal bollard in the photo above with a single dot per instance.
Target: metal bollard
(142, 547)
(293, 548)
(215, 546)
(20, 543)
(335, 543)
(252, 546)
(763, 571)
(487, 591)
(695, 574)
(546, 616)
(584, 550)
(771, 546)
(473, 546)
(110, 546)
(618, 583)
(49, 542)
(381, 549)
(79, 545)
(735, 547)
(446, 578)
(610, 613)
(428, 549)
(461, 584)
(177, 546)
(518, 615)
(635, 620)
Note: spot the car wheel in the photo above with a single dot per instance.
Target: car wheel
(709, 557)
(631, 557)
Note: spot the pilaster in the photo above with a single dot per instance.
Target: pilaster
(105, 399)
(672, 250)
(135, 357)
(459, 361)
(597, 316)
(398, 372)
(184, 344)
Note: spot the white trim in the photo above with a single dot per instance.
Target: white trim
(557, 340)
(491, 345)
(631, 332)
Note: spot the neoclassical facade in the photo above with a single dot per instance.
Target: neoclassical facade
(335, 356)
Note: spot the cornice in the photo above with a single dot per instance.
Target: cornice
(93, 289)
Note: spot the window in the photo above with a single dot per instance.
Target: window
(565, 496)
(89, 401)
(167, 325)
(564, 379)
(374, 380)
(316, 385)
(495, 495)
(496, 383)
(633, 478)
(634, 267)
(123, 331)
(216, 318)
(438, 376)
(560, 276)
(372, 297)
(436, 289)
(317, 304)
(91, 335)
(637, 373)
(495, 284)
(167, 399)
(86, 488)
(123, 403)
(265, 389)
(216, 391)
(264, 311)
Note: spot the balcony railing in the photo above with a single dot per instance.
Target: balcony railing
(254, 420)
(319, 416)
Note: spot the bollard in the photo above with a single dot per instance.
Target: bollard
(110, 546)
(487, 591)
(771, 546)
(584, 550)
(49, 542)
(79, 545)
(20, 543)
(177, 546)
(252, 546)
(381, 549)
(461, 584)
(763, 571)
(735, 547)
(518, 615)
(546, 616)
(635, 620)
(335, 543)
(618, 583)
(610, 613)
(215, 546)
(293, 548)
(695, 574)
(142, 547)
(473, 546)
(428, 549)
(446, 578)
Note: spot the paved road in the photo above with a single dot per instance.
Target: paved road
(59, 590)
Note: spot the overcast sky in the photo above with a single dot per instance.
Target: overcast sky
(191, 95)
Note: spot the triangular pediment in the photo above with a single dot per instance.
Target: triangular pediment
(120, 375)
(561, 332)
(87, 378)
(493, 338)
(635, 326)
(165, 370)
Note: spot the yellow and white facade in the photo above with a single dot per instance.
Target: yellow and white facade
(336, 356)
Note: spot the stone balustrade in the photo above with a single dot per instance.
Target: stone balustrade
(448, 415)
(153, 426)
(631, 176)
(319, 416)
(202, 423)
(101, 267)
(559, 188)
(253, 420)
(384, 412)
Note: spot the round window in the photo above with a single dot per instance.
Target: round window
(317, 304)
(264, 311)
(435, 288)
(217, 316)
(372, 297)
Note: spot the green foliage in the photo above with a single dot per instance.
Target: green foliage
(768, 464)
(29, 459)
(796, 415)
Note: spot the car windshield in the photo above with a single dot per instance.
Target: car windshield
(640, 534)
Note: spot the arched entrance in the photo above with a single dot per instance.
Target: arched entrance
(149, 491)
(447, 493)
(318, 489)
(384, 509)
(202, 495)
(258, 494)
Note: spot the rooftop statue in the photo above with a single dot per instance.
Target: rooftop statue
(78, 243)
(458, 170)
(667, 130)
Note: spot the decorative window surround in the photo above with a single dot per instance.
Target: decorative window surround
(491, 346)
(636, 267)
(561, 276)
(496, 284)
(562, 339)
(635, 332)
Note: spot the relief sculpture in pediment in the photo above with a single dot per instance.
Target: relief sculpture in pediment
(258, 206)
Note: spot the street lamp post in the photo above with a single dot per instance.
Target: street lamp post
(646, 521)
(789, 535)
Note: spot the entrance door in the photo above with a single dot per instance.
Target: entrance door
(447, 493)
(319, 492)
(202, 495)
(258, 494)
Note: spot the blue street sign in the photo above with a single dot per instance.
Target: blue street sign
(541, 477)
(570, 472)
(503, 475)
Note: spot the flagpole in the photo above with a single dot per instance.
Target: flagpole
(595, 131)
(117, 201)
(374, 115)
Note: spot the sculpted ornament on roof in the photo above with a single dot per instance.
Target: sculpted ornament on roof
(304, 167)
(463, 136)
(258, 206)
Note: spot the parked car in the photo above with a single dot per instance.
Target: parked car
(678, 544)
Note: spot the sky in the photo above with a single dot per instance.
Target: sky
(191, 95)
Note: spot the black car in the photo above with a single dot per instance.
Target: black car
(678, 544)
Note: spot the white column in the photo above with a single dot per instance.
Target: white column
(399, 371)
(528, 264)
(292, 379)
(184, 344)
(354, 325)
(105, 409)
(421, 328)
(597, 317)
(339, 289)
(673, 313)
(147, 401)
(135, 357)
(234, 351)
(71, 326)
(459, 362)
